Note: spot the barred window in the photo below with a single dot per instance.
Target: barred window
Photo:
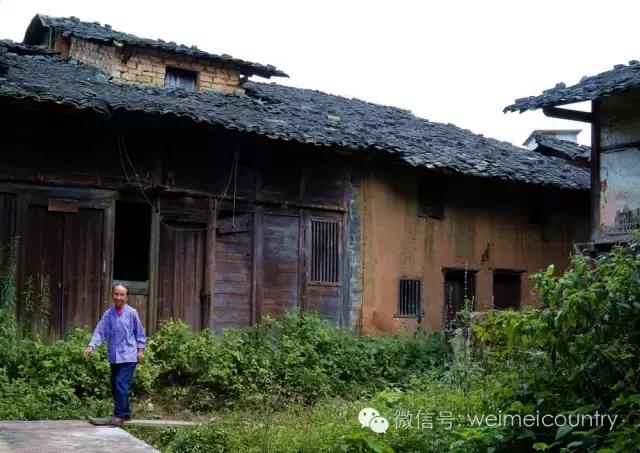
(325, 251)
(410, 298)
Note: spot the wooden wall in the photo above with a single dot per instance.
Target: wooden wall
(229, 216)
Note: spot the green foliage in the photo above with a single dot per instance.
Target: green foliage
(303, 358)
(206, 438)
(580, 351)
(297, 385)
(9, 341)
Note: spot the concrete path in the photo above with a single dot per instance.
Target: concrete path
(66, 436)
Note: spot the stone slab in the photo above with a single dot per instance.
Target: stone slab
(66, 436)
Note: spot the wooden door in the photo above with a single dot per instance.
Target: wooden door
(233, 271)
(82, 262)
(62, 264)
(458, 285)
(181, 273)
(323, 266)
(279, 264)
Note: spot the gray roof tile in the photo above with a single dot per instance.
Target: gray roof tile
(291, 114)
(620, 78)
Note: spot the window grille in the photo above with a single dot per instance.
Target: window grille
(325, 251)
(410, 298)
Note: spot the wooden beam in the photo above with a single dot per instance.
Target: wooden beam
(567, 114)
(154, 267)
(108, 235)
(303, 258)
(210, 262)
(257, 266)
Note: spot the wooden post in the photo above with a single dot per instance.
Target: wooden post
(107, 257)
(154, 266)
(257, 265)
(210, 261)
(595, 170)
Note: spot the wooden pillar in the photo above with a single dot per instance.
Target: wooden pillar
(257, 266)
(154, 267)
(108, 235)
(210, 264)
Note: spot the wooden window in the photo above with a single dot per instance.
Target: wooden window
(431, 191)
(180, 78)
(325, 251)
(506, 289)
(409, 298)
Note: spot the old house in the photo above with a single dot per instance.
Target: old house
(221, 200)
(615, 146)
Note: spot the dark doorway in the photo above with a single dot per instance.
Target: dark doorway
(132, 238)
(458, 286)
(506, 289)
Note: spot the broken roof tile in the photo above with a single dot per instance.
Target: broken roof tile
(301, 115)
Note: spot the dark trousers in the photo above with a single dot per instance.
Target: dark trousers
(121, 377)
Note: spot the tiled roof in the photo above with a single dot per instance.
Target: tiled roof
(570, 150)
(291, 114)
(620, 78)
(94, 31)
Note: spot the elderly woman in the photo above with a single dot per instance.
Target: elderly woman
(121, 328)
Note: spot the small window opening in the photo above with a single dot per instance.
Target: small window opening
(431, 190)
(506, 289)
(410, 298)
(325, 251)
(132, 239)
(537, 211)
(180, 78)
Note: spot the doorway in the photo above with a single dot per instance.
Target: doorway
(459, 285)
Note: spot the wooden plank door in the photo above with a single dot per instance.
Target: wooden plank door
(233, 271)
(181, 273)
(279, 265)
(324, 263)
(81, 268)
(455, 292)
(43, 248)
(63, 251)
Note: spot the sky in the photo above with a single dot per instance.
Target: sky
(452, 61)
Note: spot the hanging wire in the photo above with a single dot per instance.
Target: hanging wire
(233, 175)
(124, 168)
(135, 173)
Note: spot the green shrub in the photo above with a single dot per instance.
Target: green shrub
(207, 438)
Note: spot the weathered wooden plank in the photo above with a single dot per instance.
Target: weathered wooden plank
(43, 259)
(233, 275)
(144, 423)
(257, 267)
(154, 269)
(181, 273)
(210, 261)
(82, 267)
(108, 241)
(7, 219)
